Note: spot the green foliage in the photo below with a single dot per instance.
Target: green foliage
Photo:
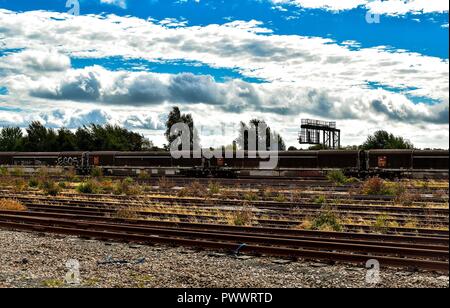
(49, 188)
(97, 172)
(376, 186)
(320, 200)
(87, 138)
(33, 183)
(88, 187)
(384, 140)
(11, 139)
(327, 220)
(338, 177)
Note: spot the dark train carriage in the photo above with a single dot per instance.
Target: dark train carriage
(142, 159)
(6, 158)
(299, 160)
(349, 160)
(390, 160)
(430, 160)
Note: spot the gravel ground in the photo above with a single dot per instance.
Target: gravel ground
(38, 260)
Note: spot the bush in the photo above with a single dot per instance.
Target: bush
(49, 188)
(327, 221)
(251, 196)
(376, 186)
(33, 183)
(242, 217)
(88, 187)
(144, 175)
(338, 177)
(320, 200)
(97, 172)
(126, 187)
(12, 205)
(280, 198)
(17, 172)
(381, 224)
(214, 188)
(193, 190)
(4, 171)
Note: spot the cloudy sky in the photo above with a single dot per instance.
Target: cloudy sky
(367, 64)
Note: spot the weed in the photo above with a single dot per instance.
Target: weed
(338, 177)
(327, 220)
(12, 205)
(88, 187)
(376, 186)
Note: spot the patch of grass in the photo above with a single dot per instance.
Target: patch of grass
(4, 171)
(327, 220)
(193, 190)
(12, 205)
(127, 187)
(320, 200)
(17, 171)
(89, 187)
(19, 185)
(244, 217)
(144, 175)
(33, 183)
(214, 188)
(164, 183)
(337, 177)
(97, 172)
(49, 187)
(375, 187)
(126, 213)
(381, 224)
(280, 198)
(251, 196)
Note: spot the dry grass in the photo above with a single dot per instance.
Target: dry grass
(12, 205)
(126, 213)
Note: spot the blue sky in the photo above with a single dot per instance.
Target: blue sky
(129, 61)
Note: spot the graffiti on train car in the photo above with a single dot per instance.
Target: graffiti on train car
(66, 161)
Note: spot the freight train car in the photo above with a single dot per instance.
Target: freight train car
(296, 163)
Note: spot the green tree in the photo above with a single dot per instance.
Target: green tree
(176, 117)
(11, 139)
(66, 140)
(40, 139)
(384, 140)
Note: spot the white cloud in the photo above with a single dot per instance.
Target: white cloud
(119, 3)
(390, 7)
(306, 76)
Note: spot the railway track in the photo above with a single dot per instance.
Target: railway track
(100, 210)
(419, 253)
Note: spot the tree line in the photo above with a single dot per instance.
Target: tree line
(38, 138)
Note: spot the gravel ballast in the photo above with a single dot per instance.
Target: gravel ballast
(39, 260)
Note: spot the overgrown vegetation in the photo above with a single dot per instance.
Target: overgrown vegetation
(50, 187)
(337, 177)
(12, 205)
(327, 220)
(243, 217)
(375, 187)
(89, 187)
